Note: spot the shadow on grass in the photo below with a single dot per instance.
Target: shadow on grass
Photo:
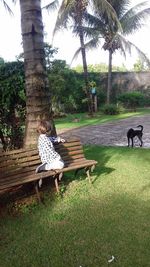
(80, 232)
(102, 155)
(26, 195)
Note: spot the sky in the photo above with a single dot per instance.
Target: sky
(10, 44)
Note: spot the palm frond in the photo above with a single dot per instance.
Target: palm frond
(67, 6)
(76, 55)
(63, 16)
(133, 18)
(7, 7)
(143, 57)
(91, 44)
(121, 7)
(52, 6)
(125, 46)
(129, 46)
(93, 21)
(89, 32)
(62, 22)
(106, 10)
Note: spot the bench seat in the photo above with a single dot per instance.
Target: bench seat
(17, 167)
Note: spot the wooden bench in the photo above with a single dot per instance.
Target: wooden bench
(17, 167)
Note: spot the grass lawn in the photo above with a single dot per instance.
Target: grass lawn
(91, 222)
(82, 119)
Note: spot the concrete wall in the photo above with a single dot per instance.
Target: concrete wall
(127, 81)
(130, 81)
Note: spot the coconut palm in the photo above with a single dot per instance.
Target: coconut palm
(131, 20)
(74, 9)
(71, 13)
(36, 81)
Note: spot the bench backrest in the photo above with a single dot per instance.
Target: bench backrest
(22, 161)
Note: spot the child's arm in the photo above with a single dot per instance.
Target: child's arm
(56, 139)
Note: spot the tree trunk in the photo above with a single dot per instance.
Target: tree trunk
(85, 70)
(109, 85)
(36, 81)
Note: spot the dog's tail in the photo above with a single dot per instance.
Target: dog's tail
(140, 126)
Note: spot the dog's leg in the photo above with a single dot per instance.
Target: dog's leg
(140, 138)
(128, 141)
(132, 141)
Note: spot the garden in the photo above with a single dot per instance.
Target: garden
(98, 224)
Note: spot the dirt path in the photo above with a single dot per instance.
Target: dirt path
(110, 134)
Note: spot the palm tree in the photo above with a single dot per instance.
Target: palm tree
(36, 82)
(131, 20)
(75, 10)
(38, 106)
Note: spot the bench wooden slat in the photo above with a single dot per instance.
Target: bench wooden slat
(8, 169)
(18, 156)
(30, 153)
(29, 171)
(19, 161)
(18, 167)
(47, 173)
(25, 170)
(33, 168)
(24, 151)
(5, 183)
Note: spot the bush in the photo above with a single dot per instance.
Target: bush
(101, 97)
(132, 100)
(111, 109)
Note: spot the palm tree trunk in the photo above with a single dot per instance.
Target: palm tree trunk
(109, 85)
(85, 70)
(36, 82)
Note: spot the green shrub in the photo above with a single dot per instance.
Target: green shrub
(110, 109)
(132, 100)
(101, 97)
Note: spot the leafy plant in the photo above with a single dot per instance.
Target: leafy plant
(111, 109)
(132, 100)
(65, 88)
(12, 104)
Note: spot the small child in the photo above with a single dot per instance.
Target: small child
(50, 159)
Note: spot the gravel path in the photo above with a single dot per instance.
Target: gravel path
(111, 134)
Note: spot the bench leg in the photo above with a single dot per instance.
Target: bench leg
(60, 176)
(92, 168)
(88, 169)
(56, 184)
(37, 192)
(57, 177)
(88, 174)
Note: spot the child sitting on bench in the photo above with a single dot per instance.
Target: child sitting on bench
(50, 159)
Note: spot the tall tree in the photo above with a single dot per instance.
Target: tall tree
(71, 14)
(74, 9)
(131, 20)
(38, 106)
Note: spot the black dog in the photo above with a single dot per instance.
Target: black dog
(132, 133)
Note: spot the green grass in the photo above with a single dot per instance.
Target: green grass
(84, 119)
(90, 222)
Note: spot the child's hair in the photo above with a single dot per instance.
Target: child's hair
(44, 127)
